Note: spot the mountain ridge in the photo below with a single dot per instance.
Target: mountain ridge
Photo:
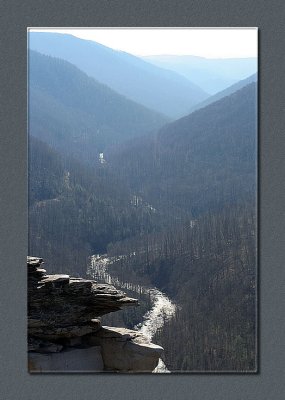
(156, 88)
(212, 74)
(226, 92)
(74, 113)
(210, 148)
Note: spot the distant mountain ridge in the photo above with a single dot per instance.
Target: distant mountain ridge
(212, 75)
(173, 205)
(227, 92)
(76, 114)
(156, 88)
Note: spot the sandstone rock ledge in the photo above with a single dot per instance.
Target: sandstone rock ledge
(65, 333)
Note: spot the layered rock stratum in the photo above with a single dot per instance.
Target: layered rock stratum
(65, 332)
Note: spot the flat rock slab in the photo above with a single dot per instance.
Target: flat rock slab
(55, 278)
(64, 336)
(59, 300)
(125, 350)
(61, 332)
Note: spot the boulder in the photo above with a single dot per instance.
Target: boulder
(126, 350)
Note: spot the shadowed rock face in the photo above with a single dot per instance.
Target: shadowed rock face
(61, 319)
(63, 304)
(75, 360)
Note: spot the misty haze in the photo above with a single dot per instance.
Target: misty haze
(142, 209)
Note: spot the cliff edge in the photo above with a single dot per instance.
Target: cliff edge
(65, 332)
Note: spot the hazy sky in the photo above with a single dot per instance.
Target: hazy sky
(204, 42)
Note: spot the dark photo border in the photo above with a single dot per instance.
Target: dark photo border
(17, 16)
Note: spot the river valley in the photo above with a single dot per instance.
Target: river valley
(162, 308)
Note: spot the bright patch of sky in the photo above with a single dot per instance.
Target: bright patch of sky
(203, 42)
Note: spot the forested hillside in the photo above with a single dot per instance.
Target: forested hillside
(79, 116)
(200, 173)
(174, 206)
(208, 266)
(200, 162)
(76, 211)
(157, 88)
(226, 92)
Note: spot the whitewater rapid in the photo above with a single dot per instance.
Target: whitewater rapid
(162, 310)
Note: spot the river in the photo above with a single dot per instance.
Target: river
(162, 308)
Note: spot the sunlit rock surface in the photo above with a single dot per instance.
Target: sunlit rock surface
(65, 335)
(126, 350)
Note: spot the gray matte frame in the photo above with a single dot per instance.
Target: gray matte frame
(16, 382)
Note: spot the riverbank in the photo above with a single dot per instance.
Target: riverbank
(162, 308)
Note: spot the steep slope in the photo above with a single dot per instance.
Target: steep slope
(76, 211)
(164, 91)
(207, 267)
(212, 75)
(200, 162)
(228, 91)
(181, 207)
(200, 172)
(77, 115)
